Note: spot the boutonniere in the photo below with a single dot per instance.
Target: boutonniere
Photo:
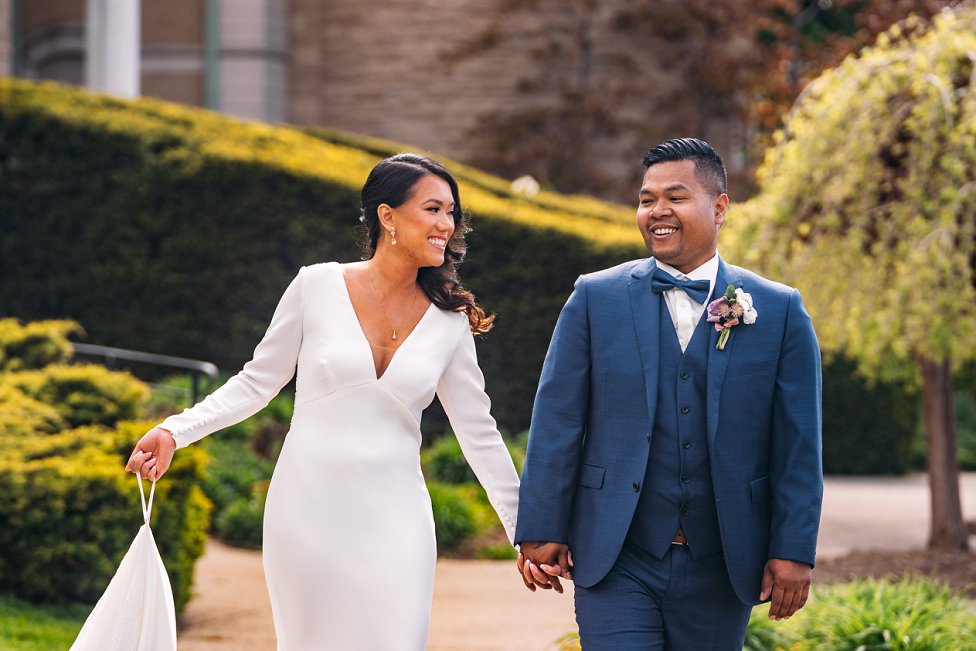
(725, 312)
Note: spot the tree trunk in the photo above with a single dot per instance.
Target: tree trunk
(948, 531)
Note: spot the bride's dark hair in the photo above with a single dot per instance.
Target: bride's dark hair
(392, 182)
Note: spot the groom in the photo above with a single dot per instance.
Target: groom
(674, 464)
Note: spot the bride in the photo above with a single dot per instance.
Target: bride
(349, 548)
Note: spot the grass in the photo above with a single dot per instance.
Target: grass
(29, 627)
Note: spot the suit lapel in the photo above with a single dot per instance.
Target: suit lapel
(718, 360)
(646, 308)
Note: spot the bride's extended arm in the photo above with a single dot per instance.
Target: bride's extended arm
(461, 391)
(271, 367)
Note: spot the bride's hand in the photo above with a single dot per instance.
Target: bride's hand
(152, 454)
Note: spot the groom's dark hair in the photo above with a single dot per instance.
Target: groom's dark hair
(709, 167)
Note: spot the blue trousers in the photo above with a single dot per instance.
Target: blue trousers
(673, 603)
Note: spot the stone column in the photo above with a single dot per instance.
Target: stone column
(112, 43)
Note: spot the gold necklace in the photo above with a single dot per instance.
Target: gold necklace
(379, 299)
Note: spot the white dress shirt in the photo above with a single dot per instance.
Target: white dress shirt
(686, 311)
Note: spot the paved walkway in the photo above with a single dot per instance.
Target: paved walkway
(482, 606)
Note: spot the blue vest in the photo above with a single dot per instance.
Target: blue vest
(677, 488)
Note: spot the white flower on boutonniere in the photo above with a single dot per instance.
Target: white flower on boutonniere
(744, 299)
(733, 307)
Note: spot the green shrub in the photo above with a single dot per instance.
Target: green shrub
(444, 462)
(34, 345)
(174, 230)
(867, 430)
(233, 471)
(241, 522)
(83, 395)
(454, 519)
(871, 614)
(69, 513)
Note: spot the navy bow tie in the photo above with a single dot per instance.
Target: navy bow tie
(662, 281)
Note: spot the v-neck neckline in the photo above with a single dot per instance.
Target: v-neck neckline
(362, 332)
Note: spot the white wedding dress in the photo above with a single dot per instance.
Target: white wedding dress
(349, 548)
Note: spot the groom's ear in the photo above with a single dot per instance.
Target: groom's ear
(721, 205)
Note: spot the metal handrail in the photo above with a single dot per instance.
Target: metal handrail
(196, 367)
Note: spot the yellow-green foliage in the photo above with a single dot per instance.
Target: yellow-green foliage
(22, 416)
(82, 395)
(867, 201)
(34, 345)
(69, 513)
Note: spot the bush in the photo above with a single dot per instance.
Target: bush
(241, 523)
(904, 615)
(34, 345)
(233, 471)
(444, 462)
(454, 519)
(175, 230)
(867, 430)
(22, 416)
(69, 513)
(83, 395)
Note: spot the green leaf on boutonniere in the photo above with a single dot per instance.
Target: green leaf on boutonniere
(730, 292)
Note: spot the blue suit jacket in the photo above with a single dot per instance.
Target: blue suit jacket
(595, 408)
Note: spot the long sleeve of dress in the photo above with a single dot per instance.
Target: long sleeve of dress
(461, 391)
(271, 367)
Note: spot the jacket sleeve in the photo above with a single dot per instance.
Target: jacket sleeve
(271, 367)
(796, 468)
(559, 420)
(461, 390)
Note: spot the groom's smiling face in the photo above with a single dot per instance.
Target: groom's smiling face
(678, 215)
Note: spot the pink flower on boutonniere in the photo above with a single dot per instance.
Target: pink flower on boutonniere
(734, 306)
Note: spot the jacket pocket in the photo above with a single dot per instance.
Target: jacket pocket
(759, 489)
(591, 476)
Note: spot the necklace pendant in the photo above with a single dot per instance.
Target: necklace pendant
(394, 335)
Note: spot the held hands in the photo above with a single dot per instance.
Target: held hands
(152, 454)
(543, 563)
(789, 584)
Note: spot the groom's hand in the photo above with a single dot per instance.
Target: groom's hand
(542, 563)
(789, 584)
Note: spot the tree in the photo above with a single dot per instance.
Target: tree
(607, 75)
(867, 203)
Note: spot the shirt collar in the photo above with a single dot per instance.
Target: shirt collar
(708, 271)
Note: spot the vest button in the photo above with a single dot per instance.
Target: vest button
(684, 511)
(636, 486)
(686, 445)
(686, 479)
(684, 375)
(685, 410)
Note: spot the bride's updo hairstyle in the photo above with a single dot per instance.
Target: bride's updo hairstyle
(392, 182)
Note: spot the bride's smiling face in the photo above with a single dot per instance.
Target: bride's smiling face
(424, 223)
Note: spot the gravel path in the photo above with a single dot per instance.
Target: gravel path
(482, 606)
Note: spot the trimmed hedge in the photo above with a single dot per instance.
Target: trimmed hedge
(175, 230)
(69, 514)
(867, 430)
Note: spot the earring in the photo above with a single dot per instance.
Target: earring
(393, 236)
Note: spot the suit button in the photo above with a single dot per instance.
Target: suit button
(648, 438)
(684, 375)
(686, 479)
(685, 410)
(636, 486)
(684, 511)
(686, 445)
